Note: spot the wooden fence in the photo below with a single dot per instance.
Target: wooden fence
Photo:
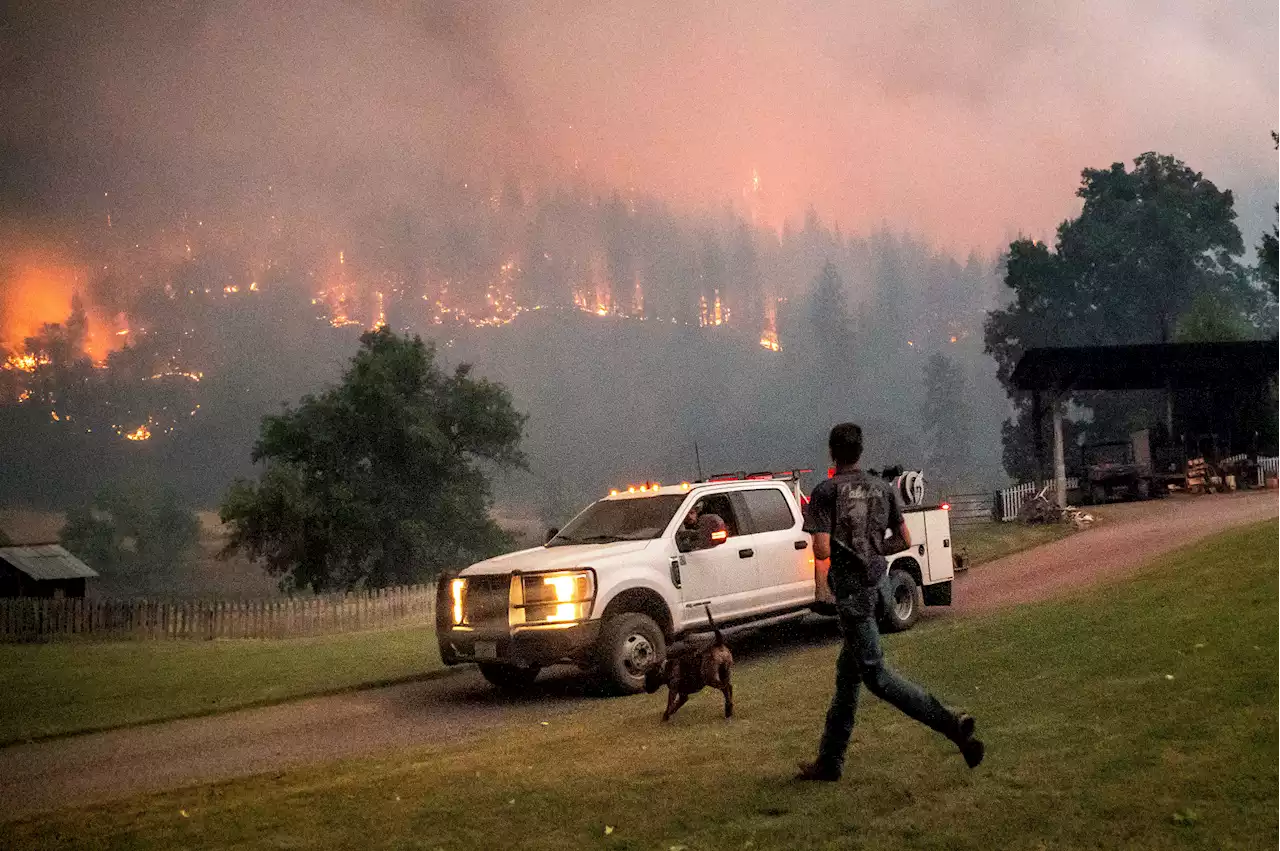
(969, 509)
(32, 619)
(1011, 499)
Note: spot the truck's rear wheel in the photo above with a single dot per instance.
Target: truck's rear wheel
(902, 609)
(510, 678)
(630, 643)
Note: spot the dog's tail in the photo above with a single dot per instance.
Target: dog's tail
(710, 620)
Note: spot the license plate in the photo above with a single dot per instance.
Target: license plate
(486, 650)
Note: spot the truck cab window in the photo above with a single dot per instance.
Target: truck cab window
(768, 510)
(720, 504)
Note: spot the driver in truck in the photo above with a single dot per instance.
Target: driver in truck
(850, 515)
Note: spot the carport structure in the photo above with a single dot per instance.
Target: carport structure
(1053, 374)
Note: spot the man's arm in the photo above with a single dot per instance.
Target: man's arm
(822, 545)
(818, 519)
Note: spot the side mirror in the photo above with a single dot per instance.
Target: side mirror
(711, 532)
(551, 533)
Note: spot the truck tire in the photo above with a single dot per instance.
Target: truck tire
(510, 678)
(629, 644)
(904, 604)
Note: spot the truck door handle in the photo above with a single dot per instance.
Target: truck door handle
(747, 553)
(921, 549)
(802, 545)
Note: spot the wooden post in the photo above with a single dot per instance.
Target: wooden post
(1037, 426)
(1059, 460)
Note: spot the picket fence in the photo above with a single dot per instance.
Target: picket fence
(1013, 498)
(28, 619)
(1268, 468)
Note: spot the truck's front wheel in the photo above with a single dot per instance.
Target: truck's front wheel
(630, 643)
(510, 678)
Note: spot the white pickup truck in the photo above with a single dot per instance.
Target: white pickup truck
(624, 577)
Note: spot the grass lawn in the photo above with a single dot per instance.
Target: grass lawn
(65, 687)
(984, 542)
(1141, 715)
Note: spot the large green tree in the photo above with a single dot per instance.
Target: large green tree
(378, 480)
(1151, 247)
(1269, 248)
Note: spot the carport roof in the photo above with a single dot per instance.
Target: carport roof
(46, 561)
(1148, 367)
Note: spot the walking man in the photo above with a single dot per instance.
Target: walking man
(848, 516)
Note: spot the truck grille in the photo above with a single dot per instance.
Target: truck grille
(488, 600)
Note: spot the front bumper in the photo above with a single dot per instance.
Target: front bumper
(528, 646)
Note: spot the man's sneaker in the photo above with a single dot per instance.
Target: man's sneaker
(973, 750)
(818, 772)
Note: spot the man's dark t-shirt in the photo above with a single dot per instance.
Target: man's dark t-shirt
(855, 509)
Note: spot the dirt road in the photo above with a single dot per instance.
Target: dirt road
(111, 765)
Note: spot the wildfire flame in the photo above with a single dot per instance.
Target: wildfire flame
(25, 363)
(37, 290)
(139, 433)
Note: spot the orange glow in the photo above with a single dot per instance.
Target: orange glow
(139, 433)
(36, 289)
(722, 535)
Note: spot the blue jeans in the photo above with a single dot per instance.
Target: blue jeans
(862, 661)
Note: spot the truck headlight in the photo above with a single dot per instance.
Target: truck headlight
(562, 597)
(458, 594)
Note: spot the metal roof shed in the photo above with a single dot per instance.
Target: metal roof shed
(1156, 366)
(42, 570)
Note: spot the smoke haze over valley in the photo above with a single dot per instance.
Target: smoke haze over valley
(620, 210)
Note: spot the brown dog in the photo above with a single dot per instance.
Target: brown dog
(690, 671)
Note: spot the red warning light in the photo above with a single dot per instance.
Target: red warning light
(831, 472)
(946, 506)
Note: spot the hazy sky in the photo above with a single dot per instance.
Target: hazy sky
(965, 122)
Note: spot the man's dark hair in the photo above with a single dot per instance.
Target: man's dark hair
(845, 444)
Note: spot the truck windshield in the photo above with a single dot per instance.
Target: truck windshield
(612, 520)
